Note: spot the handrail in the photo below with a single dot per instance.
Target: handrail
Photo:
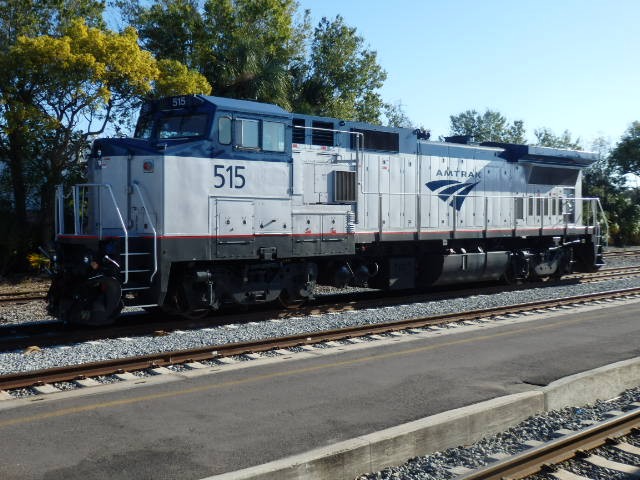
(59, 209)
(153, 228)
(599, 211)
(606, 222)
(77, 225)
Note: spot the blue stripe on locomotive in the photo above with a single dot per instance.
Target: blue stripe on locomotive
(209, 147)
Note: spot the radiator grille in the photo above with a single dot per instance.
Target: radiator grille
(344, 187)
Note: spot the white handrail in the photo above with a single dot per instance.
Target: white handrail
(121, 220)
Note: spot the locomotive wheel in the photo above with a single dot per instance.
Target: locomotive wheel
(509, 276)
(287, 302)
(181, 307)
(97, 302)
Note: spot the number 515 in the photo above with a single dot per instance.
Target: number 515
(230, 175)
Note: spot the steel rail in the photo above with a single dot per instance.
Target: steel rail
(557, 451)
(14, 336)
(107, 367)
(18, 293)
(8, 297)
(623, 253)
(21, 297)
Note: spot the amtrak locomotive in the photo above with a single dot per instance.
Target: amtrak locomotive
(219, 201)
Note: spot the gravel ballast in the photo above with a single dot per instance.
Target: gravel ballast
(439, 465)
(49, 357)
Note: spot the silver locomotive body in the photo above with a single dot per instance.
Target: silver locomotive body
(227, 201)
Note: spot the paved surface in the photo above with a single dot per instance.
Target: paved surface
(235, 418)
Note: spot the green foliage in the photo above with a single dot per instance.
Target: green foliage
(45, 17)
(491, 126)
(176, 79)
(546, 138)
(38, 262)
(259, 50)
(341, 77)
(170, 29)
(623, 204)
(61, 88)
(244, 48)
(396, 116)
(626, 155)
(620, 203)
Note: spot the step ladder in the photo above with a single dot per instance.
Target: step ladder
(141, 265)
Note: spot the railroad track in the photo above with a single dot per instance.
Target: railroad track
(622, 253)
(53, 332)
(605, 274)
(163, 359)
(580, 447)
(25, 296)
(22, 297)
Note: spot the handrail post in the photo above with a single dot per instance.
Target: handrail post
(124, 229)
(76, 219)
(454, 216)
(59, 209)
(153, 228)
(486, 215)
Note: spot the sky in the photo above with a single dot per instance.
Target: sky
(564, 64)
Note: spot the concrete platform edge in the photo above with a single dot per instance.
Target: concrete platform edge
(598, 384)
(393, 446)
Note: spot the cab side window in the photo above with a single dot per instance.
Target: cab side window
(248, 133)
(273, 136)
(252, 134)
(224, 130)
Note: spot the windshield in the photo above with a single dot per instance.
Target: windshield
(172, 126)
(183, 126)
(144, 128)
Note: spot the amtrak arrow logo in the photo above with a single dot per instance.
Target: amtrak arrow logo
(453, 189)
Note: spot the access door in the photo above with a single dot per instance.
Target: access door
(232, 223)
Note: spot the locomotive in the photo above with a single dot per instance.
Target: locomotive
(220, 201)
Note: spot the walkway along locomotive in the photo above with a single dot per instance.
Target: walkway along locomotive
(219, 201)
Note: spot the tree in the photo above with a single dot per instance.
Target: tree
(396, 116)
(260, 50)
(59, 91)
(546, 138)
(626, 154)
(341, 78)
(175, 78)
(619, 202)
(17, 130)
(244, 48)
(170, 29)
(44, 17)
(490, 126)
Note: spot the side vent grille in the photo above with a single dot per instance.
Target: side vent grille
(344, 190)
